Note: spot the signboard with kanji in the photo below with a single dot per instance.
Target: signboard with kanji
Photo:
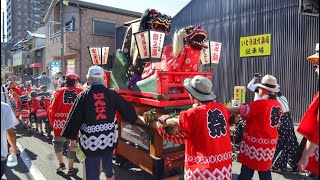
(240, 94)
(214, 48)
(99, 55)
(156, 43)
(54, 67)
(95, 54)
(150, 45)
(259, 45)
(70, 66)
(142, 41)
(105, 54)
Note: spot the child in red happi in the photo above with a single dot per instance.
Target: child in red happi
(24, 110)
(208, 153)
(33, 107)
(42, 113)
(260, 134)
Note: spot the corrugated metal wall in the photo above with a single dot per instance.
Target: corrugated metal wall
(294, 37)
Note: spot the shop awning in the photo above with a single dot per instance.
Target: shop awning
(35, 65)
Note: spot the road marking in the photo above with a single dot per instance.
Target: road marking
(34, 171)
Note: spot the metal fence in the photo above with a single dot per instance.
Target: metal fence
(294, 37)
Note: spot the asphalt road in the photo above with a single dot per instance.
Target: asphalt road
(37, 161)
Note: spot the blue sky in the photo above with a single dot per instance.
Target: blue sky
(169, 7)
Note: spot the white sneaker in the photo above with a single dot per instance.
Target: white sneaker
(12, 160)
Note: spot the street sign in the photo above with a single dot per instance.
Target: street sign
(54, 67)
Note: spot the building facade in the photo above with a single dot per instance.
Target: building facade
(86, 25)
(24, 15)
(28, 54)
(293, 38)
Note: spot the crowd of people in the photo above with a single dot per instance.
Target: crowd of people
(88, 116)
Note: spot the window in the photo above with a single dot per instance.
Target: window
(309, 7)
(70, 25)
(104, 27)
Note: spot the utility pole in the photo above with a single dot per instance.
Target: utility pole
(3, 36)
(62, 38)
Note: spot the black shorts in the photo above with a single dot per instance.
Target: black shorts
(3, 166)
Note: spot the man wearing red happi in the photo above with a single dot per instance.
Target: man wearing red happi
(309, 128)
(260, 134)
(208, 153)
(62, 102)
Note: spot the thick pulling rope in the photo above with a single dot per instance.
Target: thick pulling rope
(179, 138)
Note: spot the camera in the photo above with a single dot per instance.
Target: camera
(257, 75)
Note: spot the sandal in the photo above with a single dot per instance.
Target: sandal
(71, 171)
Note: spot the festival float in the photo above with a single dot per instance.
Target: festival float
(150, 76)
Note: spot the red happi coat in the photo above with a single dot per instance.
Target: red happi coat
(61, 104)
(186, 61)
(33, 105)
(309, 128)
(208, 153)
(260, 134)
(42, 111)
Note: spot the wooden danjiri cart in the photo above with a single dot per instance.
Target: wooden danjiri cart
(142, 144)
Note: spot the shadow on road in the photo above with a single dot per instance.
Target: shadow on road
(31, 155)
(24, 132)
(65, 176)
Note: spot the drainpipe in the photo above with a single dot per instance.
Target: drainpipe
(80, 40)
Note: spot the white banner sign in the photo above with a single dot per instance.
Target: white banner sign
(142, 41)
(157, 40)
(215, 48)
(105, 54)
(95, 55)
